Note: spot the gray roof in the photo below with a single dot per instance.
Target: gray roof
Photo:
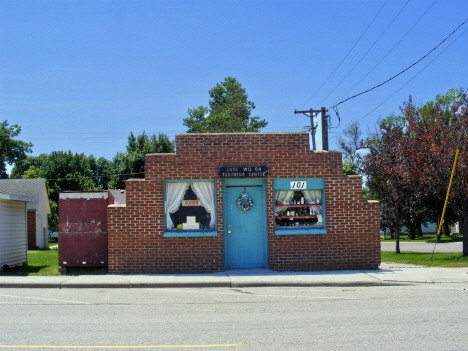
(120, 196)
(23, 187)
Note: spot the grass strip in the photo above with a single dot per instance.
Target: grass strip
(45, 263)
(448, 260)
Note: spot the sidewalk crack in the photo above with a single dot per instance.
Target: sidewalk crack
(230, 281)
(368, 274)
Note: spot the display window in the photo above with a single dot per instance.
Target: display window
(190, 208)
(299, 209)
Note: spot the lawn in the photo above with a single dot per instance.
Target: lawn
(45, 263)
(53, 242)
(448, 260)
(427, 238)
(40, 262)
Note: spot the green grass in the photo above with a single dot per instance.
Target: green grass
(53, 242)
(40, 262)
(427, 238)
(448, 260)
(45, 263)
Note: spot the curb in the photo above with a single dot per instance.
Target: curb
(129, 285)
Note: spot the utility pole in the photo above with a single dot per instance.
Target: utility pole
(324, 129)
(312, 114)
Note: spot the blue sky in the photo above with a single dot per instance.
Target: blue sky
(81, 75)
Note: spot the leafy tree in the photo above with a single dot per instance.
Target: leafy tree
(386, 175)
(25, 164)
(349, 168)
(32, 172)
(132, 163)
(11, 150)
(229, 111)
(350, 145)
(435, 132)
(67, 171)
(62, 171)
(101, 170)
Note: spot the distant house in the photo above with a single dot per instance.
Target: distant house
(13, 231)
(37, 225)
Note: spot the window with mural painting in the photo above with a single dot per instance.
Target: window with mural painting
(190, 206)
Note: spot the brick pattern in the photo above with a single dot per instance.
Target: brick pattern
(135, 232)
(31, 225)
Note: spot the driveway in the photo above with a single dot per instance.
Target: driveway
(423, 247)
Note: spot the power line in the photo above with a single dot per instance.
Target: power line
(372, 46)
(326, 80)
(435, 58)
(404, 36)
(352, 97)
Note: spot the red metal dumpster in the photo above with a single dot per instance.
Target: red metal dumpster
(83, 228)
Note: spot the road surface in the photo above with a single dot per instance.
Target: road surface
(423, 247)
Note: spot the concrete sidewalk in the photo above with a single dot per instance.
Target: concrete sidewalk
(388, 274)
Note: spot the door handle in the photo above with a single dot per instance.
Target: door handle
(229, 232)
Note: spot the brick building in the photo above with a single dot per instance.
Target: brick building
(248, 200)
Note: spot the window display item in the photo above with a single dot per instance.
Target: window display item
(298, 208)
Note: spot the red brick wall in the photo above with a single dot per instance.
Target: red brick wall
(31, 218)
(135, 231)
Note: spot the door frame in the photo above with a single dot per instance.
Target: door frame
(241, 183)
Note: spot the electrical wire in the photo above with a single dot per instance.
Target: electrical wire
(414, 25)
(435, 58)
(326, 80)
(372, 46)
(388, 80)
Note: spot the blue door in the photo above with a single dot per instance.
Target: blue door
(245, 232)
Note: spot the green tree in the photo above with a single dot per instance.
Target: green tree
(11, 150)
(25, 164)
(67, 171)
(229, 111)
(132, 163)
(349, 168)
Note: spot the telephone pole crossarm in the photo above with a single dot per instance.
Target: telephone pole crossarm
(312, 114)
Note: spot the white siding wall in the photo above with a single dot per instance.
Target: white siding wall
(13, 233)
(41, 220)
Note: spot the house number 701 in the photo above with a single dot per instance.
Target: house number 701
(301, 184)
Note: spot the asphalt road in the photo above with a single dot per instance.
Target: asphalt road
(426, 317)
(423, 247)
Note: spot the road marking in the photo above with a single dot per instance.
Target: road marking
(116, 347)
(40, 298)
